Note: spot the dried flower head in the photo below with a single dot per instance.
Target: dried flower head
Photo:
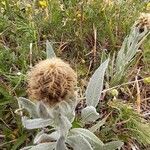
(51, 81)
(143, 21)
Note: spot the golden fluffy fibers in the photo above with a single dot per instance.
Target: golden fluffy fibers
(51, 81)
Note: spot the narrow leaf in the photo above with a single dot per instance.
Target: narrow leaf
(28, 105)
(61, 144)
(120, 60)
(42, 138)
(49, 50)
(97, 126)
(95, 85)
(68, 109)
(36, 123)
(113, 145)
(42, 111)
(27, 148)
(64, 125)
(19, 141)
(45, 146)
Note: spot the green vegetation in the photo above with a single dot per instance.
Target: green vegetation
(84, 33)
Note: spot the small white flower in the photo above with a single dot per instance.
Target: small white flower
(19, 73)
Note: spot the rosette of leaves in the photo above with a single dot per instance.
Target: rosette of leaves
(61, 116)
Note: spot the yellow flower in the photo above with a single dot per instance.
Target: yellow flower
(3, 3)
(148, 6)
(43, 3)
(78, 15)
(114, 92)
(147, 80)
(28, 5)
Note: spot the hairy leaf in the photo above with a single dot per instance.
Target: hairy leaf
(61, 144)
(95, 86)
(36, 123)
(27, 148)
(68, 109)
(49, 50)
(64, 125)
(42, 111)
(113, 145)
(42, 137)
(97, 126)
(78, 142)
(28, 105)
(45, 146)
(89, 114)
(88, 135)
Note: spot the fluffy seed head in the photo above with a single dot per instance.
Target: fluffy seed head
(143, 21)
(51, 81)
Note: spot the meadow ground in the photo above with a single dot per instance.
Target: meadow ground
(84, 33)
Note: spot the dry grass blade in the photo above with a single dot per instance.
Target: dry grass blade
(95, 40)
(138, 100)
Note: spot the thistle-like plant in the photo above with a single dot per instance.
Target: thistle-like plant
(131, 44)
(51, 86)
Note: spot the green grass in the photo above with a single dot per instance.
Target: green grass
(69, 25)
